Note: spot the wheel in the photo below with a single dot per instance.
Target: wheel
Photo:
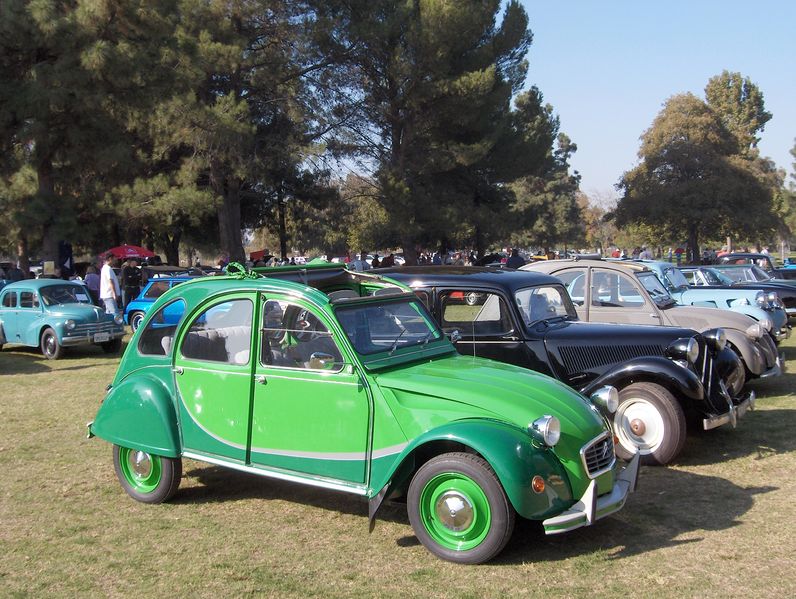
(135, 319)
(146, 477)
(649, 419)
(458, 509)
(50, 347)
(112, 347)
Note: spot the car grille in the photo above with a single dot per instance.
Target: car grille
(92, 328)
(578, 359)
(598, 456)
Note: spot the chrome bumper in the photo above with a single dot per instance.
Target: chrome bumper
(732, 415)
(782, 334)
(87, 339)
(590, 507)
(777, 369)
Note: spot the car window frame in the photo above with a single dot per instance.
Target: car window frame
(467, 334)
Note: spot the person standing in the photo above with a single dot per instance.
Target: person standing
(92, 282)
(131, 282)
(109, 286)
(515, 260)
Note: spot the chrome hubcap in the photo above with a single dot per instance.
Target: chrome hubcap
(140, 463)
(640, 426)
(454, 511)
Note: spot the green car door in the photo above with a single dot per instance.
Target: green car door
(310, 410)
(213, 373)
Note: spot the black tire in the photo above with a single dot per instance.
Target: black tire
(50, 346)
(135, 319)
(147, 477)
(112, 347)
(482, 525)
(651, 421)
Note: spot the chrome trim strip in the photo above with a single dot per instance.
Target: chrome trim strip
(277, 474)
(331, 455)
(603, 435)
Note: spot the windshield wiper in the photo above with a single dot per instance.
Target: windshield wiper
(395, 343)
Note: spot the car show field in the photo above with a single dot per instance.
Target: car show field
(68, 528)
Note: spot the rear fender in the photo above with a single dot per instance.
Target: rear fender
(139, 414)
(683, 383)
(511, 453)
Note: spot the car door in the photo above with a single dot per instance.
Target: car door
(213, 373)
(618, 298)
(8, 316)
(310, 411)
(29, 317)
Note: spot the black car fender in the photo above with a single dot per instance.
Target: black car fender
(682, 382)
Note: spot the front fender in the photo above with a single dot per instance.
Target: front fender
(511, 453)
(682, 382)
(139, 414)
(750, 354)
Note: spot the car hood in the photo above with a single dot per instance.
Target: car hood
(480, 387)
(82, 312)
(701, 319)
(588, 333)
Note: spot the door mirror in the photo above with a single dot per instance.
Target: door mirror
(322, 361)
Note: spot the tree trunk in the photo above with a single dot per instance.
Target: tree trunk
(693, 245)
(22, 253)
(479, 243)
(410, 251)
(46, 191)
(171, 245)
(280, 209)
(228, 215)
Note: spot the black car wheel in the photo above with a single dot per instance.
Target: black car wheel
(651, 421)
(50, 347)
(147, 477)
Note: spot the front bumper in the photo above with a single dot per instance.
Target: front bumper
(777, 369)
(732, 415)
(88, 339)
(782, 334)
(590, 507)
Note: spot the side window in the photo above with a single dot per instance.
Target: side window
(222, 333)
(692, 276)
(10, 300)
(157, 289)
(28, 299)
(294, 337)
(614, 290)
(158, 336)
(574, 280)
(424, 297)
(475, 313)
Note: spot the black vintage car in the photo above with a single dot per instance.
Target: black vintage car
(666, 376)
(764, 261)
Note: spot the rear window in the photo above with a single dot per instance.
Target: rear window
(10, 299)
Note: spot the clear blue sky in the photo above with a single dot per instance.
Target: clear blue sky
(607, 67)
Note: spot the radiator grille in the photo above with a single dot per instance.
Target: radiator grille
(598, 456)
(92, 328)
(578, 359)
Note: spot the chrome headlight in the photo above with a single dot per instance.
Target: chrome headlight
(684, 348)
(69, 324)
(546, 429)
(760, 299)
(766, 323)
(118, 319)
(606, 398)
(716, 339)
(774, 300)
(755, 331)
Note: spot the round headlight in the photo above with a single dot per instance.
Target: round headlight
(766, 323)
(606, 398)
(760, 299)
(692, 351)
(716, 339)
(772, 297)
(755, 331)
(684, 348)
(118, 319)
(546, 429)
(69, 324)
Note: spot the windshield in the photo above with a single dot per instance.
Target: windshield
(64, 294)
(544, 303)
(675, 277)
(714, 277)
(758, 274)
(656, 290)
(373, 328)
(745, 273)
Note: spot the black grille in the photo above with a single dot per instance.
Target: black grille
(599, 455)
(578, 359)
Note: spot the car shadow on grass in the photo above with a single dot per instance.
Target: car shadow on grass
(29, 360)
(669, 508)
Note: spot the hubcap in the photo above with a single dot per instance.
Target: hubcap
(140, 463)
(454, 511)
(136, 321)
(639, 425)
(141, 470)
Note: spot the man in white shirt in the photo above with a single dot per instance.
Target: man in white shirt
(109, 287)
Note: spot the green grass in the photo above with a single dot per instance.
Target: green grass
(720, 522)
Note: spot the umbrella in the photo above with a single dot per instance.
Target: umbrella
(129, 251)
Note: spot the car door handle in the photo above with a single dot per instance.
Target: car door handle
(260, 379)
(178, 370)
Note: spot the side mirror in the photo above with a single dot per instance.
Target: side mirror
(455, 335)
(322, 361)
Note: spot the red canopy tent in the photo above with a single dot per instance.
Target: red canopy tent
(129, 251)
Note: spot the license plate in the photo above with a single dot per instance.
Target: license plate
(102, 337)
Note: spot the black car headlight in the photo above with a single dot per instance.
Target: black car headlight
(684, 348)
(546, 429)
(716, 339)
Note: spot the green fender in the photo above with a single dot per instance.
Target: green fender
(139, 414)
(511, 452)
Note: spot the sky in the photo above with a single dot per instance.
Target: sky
(608, 66)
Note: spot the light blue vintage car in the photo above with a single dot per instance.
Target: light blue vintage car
(763, 307)
(53, 314)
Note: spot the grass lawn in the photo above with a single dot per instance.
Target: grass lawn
(719, 522)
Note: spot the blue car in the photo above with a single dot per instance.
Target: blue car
(53, 314)
(762, 306)
(136, 310)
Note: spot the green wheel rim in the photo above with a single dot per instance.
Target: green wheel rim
(141, 470)
(455, 511)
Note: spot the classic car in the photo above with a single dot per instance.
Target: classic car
(765, 307)
(343, 381)
(663, 374)
(764, 261)
(136, 310)
(627, 292)
(53, 314)
(747, 277)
